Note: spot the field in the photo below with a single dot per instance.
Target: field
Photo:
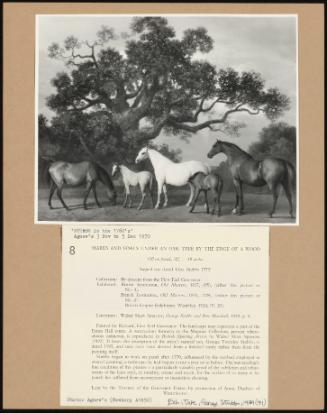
(257, 207)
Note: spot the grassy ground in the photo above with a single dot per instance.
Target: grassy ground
(257, 207)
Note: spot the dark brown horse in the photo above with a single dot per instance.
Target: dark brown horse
(244, 169)
(204, 183)
(75, 174)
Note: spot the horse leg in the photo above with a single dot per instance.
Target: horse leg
(151, 194)
(142, 199)
(236, 210)
(52, 190)
(59, 190)
(236, 202)
(95, 195)
(191, 194)
(130, 204)
(196, 196)
(206, 201)
(127, 194)
(288, 193)
(220, 188)
(88, 189)
(215, 200)
(160, 184)
(241, 198)
(164, 187)
(274, 190)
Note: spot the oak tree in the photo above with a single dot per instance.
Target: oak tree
(157, 84)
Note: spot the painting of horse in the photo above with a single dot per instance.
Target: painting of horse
(143, 179)
(76, 174)
(172, 173)
(204, 183)
(274, 172)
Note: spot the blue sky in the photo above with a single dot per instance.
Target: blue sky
(265, 44)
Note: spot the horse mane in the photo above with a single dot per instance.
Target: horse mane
(104, 177)
(233, 145)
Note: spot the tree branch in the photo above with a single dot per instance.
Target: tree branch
(180, 125)
(85, 147)
(135, 93)
(93, 56)
(148, 133)
(139, 96)
(145, 101)
(91, 103)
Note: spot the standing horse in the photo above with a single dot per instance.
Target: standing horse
(204, 183)
(75, 174)
(169, 172)
(144, 179)
(244, 169)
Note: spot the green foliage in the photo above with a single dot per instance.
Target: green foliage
(77, 136)
(174, 155)
(278, 140)
(158, 80)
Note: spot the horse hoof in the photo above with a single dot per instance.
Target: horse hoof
(234, 211)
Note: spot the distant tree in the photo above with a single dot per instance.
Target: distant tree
(277, 139)
(75, 136)
(157, 84)
(174, 155)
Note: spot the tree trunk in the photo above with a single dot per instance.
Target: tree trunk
(87, 149)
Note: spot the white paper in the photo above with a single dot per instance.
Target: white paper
(171, 316)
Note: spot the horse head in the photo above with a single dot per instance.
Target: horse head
(142, 155)
(115, 169)
(216, 148)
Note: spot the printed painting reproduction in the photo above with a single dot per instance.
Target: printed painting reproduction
(167, 118)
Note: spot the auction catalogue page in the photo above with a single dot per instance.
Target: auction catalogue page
(167, 316)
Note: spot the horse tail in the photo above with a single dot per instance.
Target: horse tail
(291, 176)
(106, 180)
(48, 177)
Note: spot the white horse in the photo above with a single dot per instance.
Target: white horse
(144, 179)
(169, 172)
